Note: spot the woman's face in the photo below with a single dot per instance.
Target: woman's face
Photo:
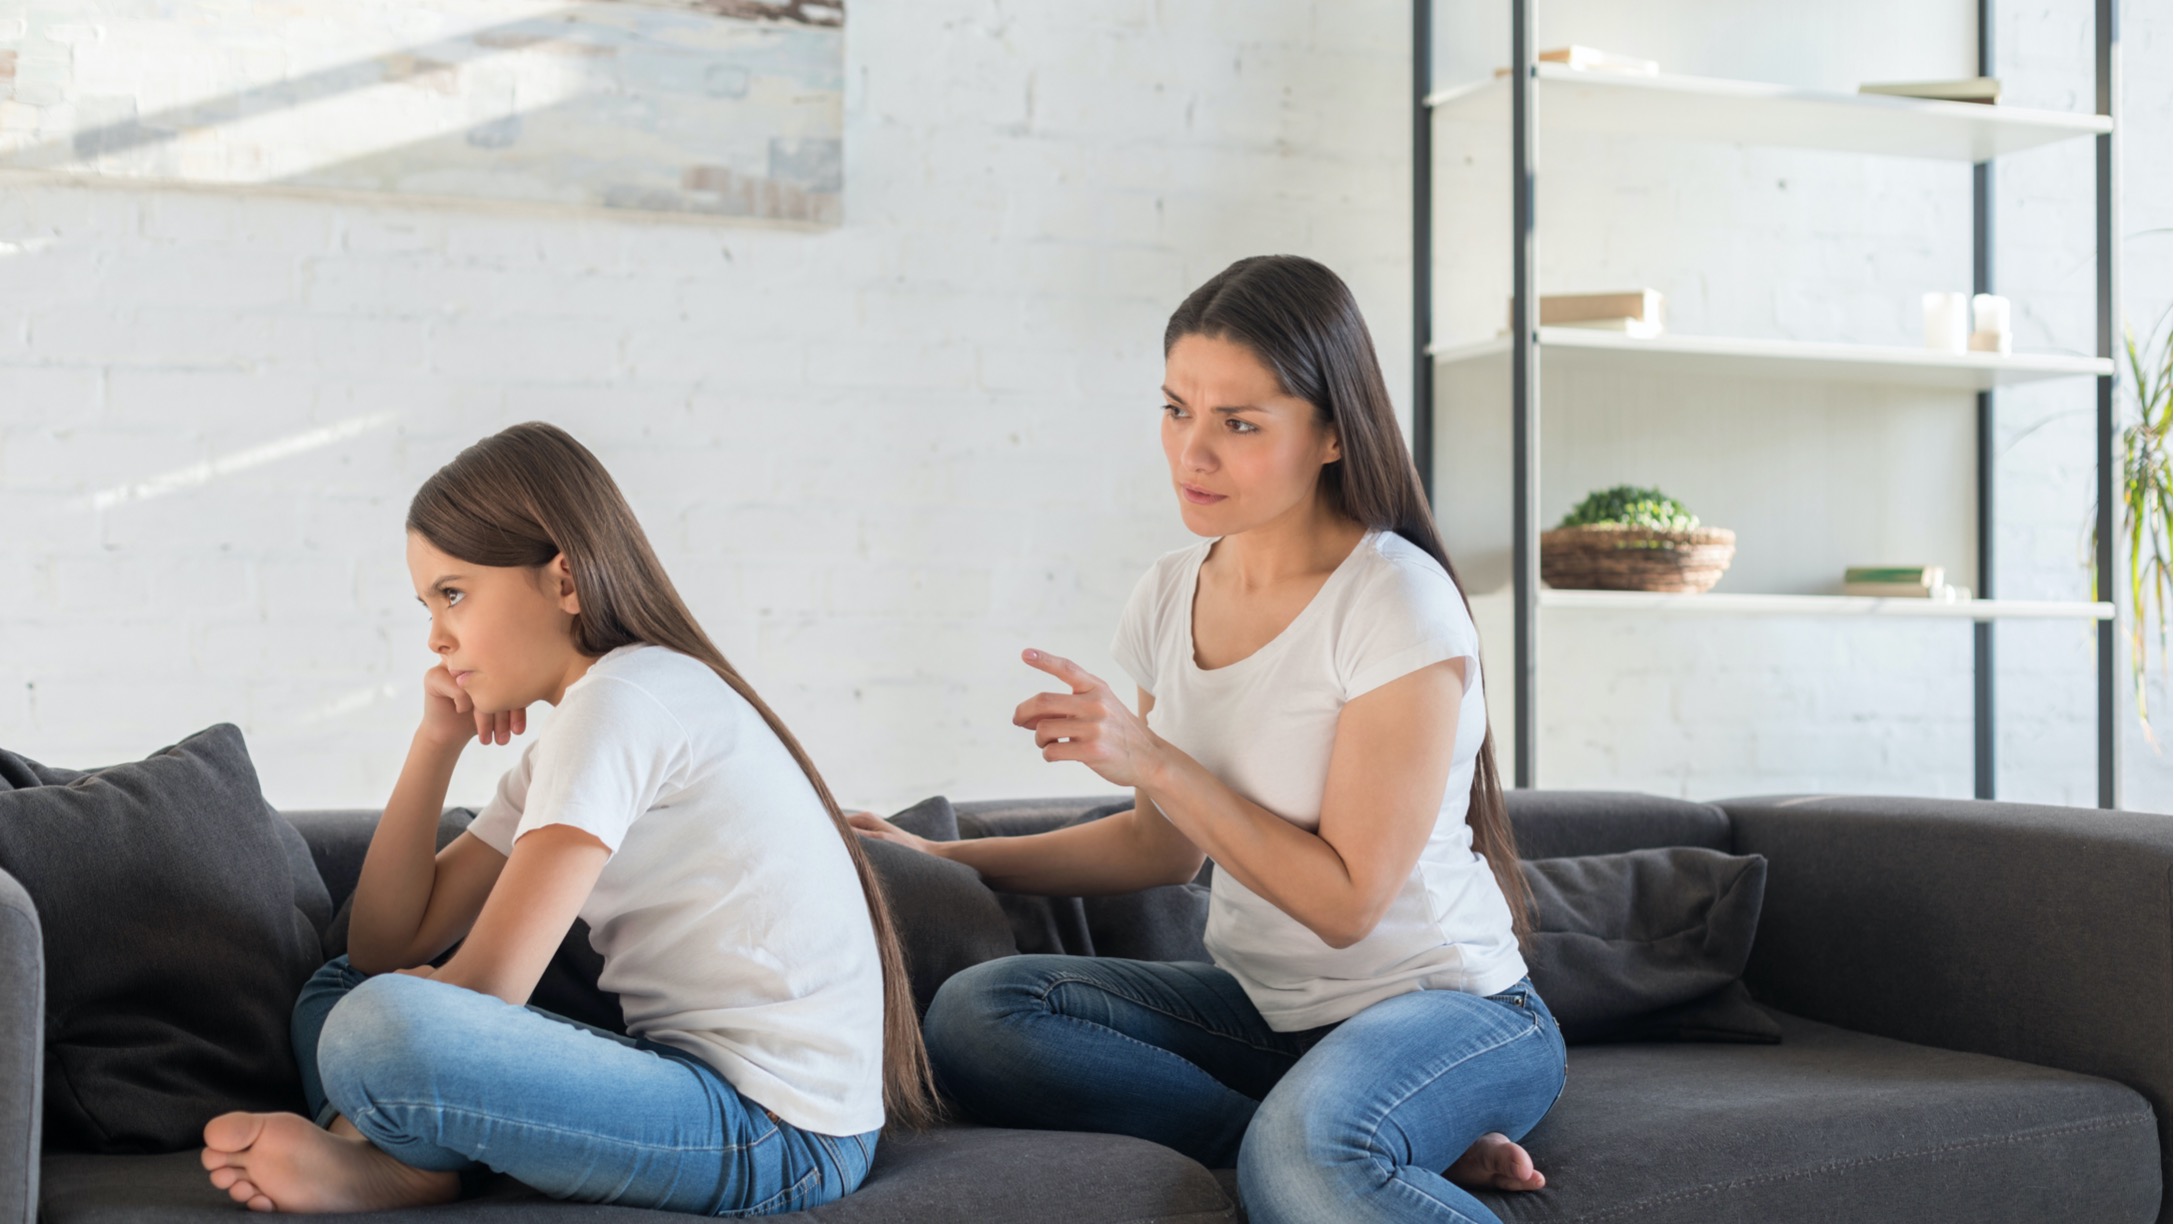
(1242, 452)
(505, 632)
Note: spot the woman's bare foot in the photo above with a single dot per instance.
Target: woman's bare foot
(1496, 1163)
(283, 1162)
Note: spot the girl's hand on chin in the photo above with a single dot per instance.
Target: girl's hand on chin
(450, 717)
(1090, 724)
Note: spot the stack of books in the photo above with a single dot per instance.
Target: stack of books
(1634, 312)
(1964, 89)
(1902, 582)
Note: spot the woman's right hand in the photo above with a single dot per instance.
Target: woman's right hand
(450, 717)
(876, 828)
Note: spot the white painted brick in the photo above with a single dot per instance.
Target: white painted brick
(881, 458)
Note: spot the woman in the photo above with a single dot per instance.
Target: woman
(1309, 715)
(771, 1030)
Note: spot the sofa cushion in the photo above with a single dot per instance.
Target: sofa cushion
(1648, 944)
(180, 919)
(1834, 1125)
(1163, 923)
(1562, 823)
(953, 1173)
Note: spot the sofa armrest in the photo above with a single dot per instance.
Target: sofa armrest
(22, 1051)
(2029, 932)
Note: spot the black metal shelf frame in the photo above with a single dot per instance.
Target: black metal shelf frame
(1526, 382)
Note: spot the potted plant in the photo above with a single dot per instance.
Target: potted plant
(1633, 539)
(2143, 489)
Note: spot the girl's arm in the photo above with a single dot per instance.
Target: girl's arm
(1121, 853)
(527, 913)
(1388, 765)
(412, 903)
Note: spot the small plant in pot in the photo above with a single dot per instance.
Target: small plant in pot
(1632, 539)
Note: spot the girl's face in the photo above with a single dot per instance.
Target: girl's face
(506, 633)
(1242, 452)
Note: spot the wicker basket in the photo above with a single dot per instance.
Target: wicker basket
(1614, 557)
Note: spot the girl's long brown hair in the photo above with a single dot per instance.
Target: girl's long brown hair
(1301, 320)
(531, 492)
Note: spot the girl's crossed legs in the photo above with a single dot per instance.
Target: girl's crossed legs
(450, 1080)
(1354, 1121)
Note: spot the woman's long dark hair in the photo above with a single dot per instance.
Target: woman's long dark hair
(1302, 322)
(529, 493)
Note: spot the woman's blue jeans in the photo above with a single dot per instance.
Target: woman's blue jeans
(442, 1077)
(1354, 1121)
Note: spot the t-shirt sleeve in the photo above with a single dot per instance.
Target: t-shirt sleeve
(602, 761)
(1410, 617)
(1134, 646)
(494, 824)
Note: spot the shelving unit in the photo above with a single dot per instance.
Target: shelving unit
(1730, 356)
(1559, 98)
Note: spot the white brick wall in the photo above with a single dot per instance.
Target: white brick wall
(879, 460)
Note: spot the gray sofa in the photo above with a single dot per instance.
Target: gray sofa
(1974, 997)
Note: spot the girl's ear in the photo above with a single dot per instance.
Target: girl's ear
(561, 575)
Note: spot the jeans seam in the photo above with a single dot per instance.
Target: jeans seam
(764, 1207)
(1375, 1127)
(1397, 1179)
(464, 1111)
(1043, 998)
(1150, 1045)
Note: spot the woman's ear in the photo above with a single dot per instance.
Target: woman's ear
(561, 576)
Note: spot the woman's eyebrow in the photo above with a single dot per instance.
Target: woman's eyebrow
(1236, 408)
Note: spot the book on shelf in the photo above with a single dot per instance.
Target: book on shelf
(1894, 581)
(1634, 312)
(1963, 89)
(1592, 59)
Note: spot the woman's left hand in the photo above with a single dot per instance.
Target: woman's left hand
(1090, 724)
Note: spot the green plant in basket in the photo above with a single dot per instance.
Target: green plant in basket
(1631, 506)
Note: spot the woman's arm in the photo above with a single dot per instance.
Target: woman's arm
(1121, 853)
(1388, 765)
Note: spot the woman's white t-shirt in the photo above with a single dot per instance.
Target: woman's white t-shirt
(730, 917)
(1264, 726)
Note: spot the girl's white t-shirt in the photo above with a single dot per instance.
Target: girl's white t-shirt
(729, 915)
(1264, 726)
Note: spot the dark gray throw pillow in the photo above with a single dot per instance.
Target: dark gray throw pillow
(1162, 923)
(179, 926)
(1648, 945)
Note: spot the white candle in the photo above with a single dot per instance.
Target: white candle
(1990, 314)
(1946, 320)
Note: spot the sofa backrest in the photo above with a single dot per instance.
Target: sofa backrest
(1547, 823)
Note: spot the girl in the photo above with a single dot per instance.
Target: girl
(1310, 716)
(771, 1028)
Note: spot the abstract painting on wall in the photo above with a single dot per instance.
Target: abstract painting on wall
(727, 108)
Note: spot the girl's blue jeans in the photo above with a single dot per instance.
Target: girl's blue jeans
(1354, 1121)
(442, 1077)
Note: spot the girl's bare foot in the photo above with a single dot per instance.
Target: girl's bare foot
(1496, 1163)
(283, 1162)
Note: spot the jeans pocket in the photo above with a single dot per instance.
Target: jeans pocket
(779, 1202)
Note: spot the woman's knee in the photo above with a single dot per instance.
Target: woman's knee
(980, 998)
(973, 1027)
(1297, 1160)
